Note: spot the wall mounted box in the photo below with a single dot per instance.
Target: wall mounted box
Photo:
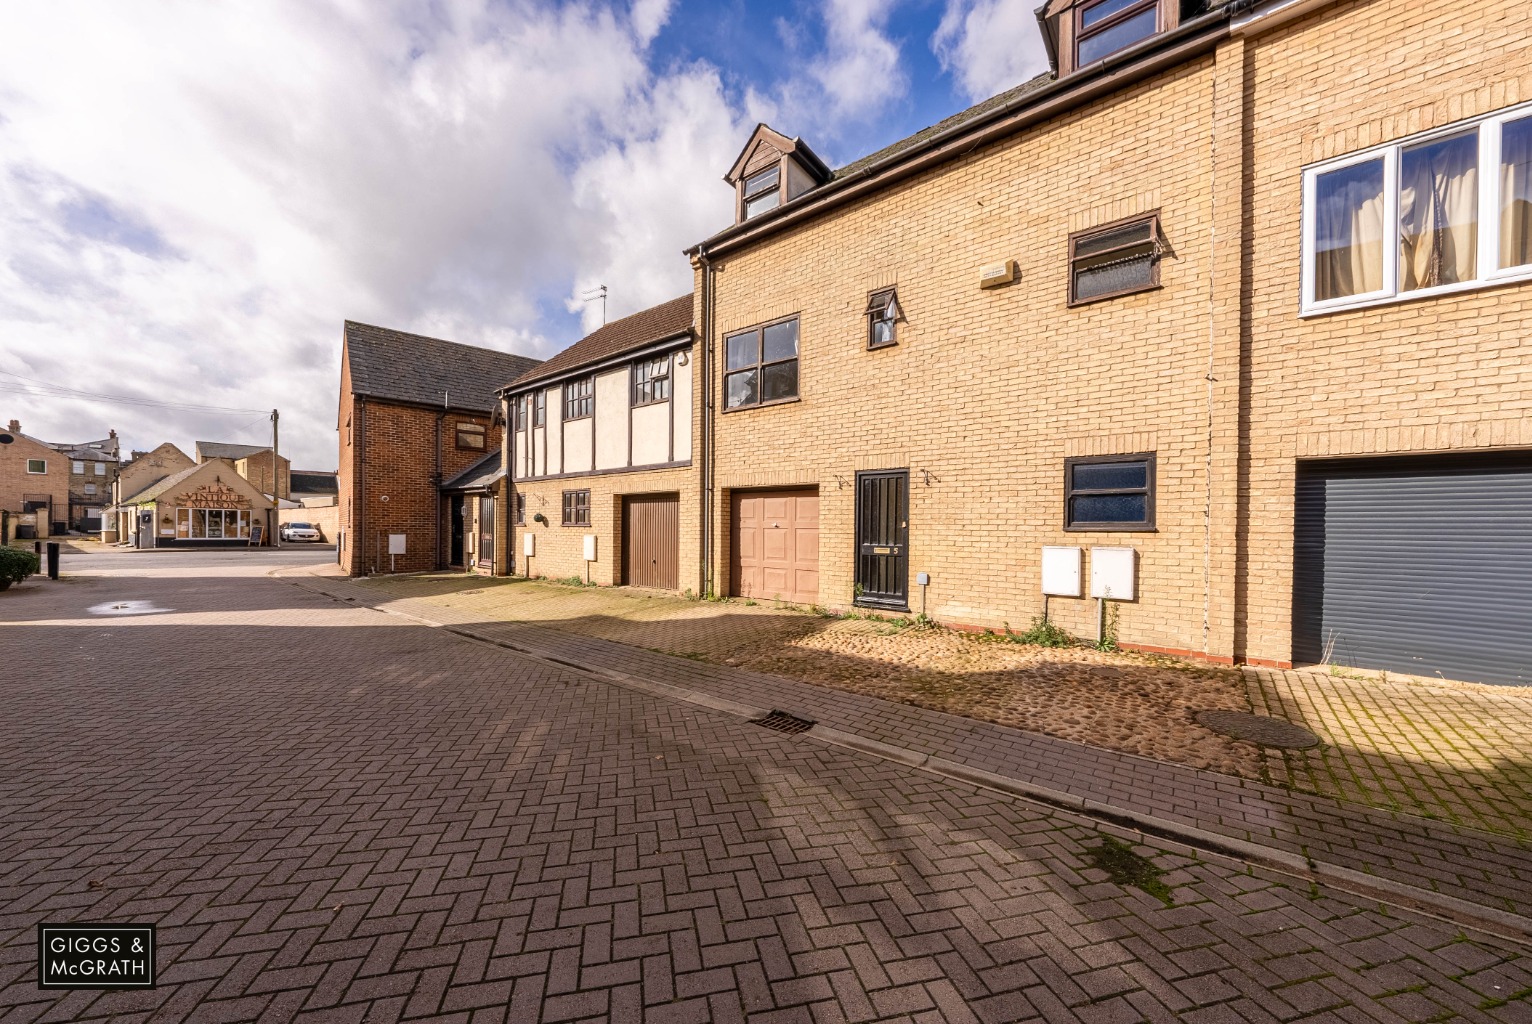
(529, 544)
(1061, 572)
(590, 547)
(997, 275)
(1112, 574)
(396, 543)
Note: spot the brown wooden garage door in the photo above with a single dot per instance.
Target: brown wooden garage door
(651, 526)
(775, 552)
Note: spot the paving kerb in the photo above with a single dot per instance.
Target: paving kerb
(1307, 862)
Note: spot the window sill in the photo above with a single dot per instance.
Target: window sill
(1078, 303)
(763, 405)
(645, 405)
(1111, 528)
(1519, 276)
(879, 348)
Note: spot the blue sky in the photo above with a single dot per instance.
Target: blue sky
(194, 197)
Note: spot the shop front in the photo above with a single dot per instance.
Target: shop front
(209, 505)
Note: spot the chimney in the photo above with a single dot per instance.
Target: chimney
(14, 427)
(111, 433)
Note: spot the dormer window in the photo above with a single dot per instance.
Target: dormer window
(763, 192)
(1107, 26)
(1080, 33)
(772, 170)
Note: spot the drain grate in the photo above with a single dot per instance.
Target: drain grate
(781, 721)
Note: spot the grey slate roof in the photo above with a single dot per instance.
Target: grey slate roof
(312, 481)
(481, 474)
(400, 367)
(219, 450)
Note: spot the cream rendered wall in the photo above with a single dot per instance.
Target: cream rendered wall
(651, 434)
(681, 406)
(578, 446)
(612, 420)
(554, 460)
(798, 180)
(538, 465)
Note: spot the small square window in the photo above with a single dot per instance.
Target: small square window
(577, 508)
(763, 192)
(77, 467)
(651, 381)
(101, 469)
(882, 318)
(1111, 492)
(37, 466)
(579, 398)
(761, 365)
(1115, 260)
(470, 436)
(90, 489)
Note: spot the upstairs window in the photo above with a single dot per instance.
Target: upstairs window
(37, 465)
(101, 469)
(761, 365)
(77, 467)
(470, 436)
(579, 398)
(1433, 214)
(882, 316)
(90, 489)
(521, 413)
(763, 191)
(651, 381)
(540, 409)
(1106, 26)
(521, 510)
(1118, 259)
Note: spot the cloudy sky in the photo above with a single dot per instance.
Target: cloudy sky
(194, 194)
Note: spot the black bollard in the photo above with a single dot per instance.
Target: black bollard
(37, 548)
(53, 559)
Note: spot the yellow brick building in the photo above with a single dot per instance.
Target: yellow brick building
(1233, 302)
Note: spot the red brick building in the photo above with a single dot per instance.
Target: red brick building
(414, 412)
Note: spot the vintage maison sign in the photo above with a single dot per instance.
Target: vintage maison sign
(213, 496)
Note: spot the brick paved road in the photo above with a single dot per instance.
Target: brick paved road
(331, 811)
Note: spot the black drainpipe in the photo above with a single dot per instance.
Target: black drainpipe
(707, 420)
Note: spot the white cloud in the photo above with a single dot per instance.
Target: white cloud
(989, 45)
(194, 196)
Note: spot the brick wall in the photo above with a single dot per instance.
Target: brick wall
(1435, 374)
(560, 549)
(392, 451)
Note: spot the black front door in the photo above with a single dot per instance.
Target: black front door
(458, 508)
(882, 539)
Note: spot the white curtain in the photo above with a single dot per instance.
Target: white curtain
(1516, 193)
(1348, 258)
(1438, 212)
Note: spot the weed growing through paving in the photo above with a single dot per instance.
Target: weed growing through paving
(1125, 867)
(1041, 633)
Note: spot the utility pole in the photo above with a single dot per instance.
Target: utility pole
(276, 489)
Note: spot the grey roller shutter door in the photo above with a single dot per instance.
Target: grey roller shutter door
(1418, 566)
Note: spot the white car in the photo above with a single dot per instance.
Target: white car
(299, 531)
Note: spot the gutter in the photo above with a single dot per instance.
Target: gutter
(1192, 39)
(649, 348)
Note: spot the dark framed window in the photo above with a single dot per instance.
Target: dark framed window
(1118, 259)
(37, 465)
(577, 508)
(540, 409)
(1106, 26)
(521, 510)
(520, 412)
(761, 365)
(579, 398)
(882, 318)
(470, 436)
(651, 380)
(1109, 492)
(763, 191)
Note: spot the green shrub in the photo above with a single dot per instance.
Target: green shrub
(1043, 633)
(16, 565)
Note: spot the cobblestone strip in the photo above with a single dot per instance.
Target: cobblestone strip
(1461, 872)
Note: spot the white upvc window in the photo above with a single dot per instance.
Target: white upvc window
(101, 469)
(77, 467)
(1440, 212)
(36, 466)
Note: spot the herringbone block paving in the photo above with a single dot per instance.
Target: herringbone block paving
(335, 814)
